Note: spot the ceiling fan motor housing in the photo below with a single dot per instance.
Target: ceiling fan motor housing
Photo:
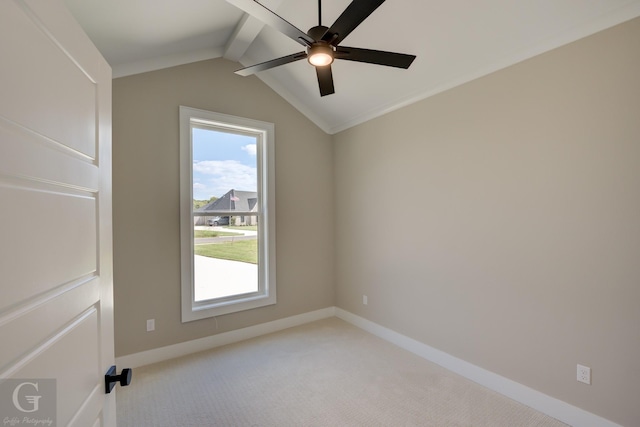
(320, 53)
(317, 32)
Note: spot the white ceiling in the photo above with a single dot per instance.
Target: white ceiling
(455, 41)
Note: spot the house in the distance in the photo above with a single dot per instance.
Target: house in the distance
(235, 204)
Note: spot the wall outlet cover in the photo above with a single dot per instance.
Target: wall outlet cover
(584, 374)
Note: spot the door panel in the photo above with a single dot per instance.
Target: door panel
(56, 299)
(36, 155)
(45, 316)
(50, 94)
(76, 376)
(54, 237)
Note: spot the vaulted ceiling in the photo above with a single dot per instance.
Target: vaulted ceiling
(455, 41)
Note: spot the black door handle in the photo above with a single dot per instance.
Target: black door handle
(110, 378)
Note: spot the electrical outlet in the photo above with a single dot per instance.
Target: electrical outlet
(151, 325)
(365, 300)
(584, 374)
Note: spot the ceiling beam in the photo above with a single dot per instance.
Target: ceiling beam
(245, 33)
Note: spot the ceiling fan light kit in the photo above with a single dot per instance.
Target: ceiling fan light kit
(320, 54)
(322, 42)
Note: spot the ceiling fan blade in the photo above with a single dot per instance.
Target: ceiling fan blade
(271, 64)
(352, 16)
(325, 80)
(379, 57)
(265, 15)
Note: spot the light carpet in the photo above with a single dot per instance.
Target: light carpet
(325, 373)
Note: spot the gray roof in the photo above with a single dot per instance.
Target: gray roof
(233, 200)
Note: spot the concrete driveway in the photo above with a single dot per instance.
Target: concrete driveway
(217, 278)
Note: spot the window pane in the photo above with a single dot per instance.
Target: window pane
(226, 209)
(227, 185)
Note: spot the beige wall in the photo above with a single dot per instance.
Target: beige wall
(146, 201)
(500, 222)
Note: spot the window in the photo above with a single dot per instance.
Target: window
(227, 214)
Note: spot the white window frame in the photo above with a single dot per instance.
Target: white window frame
(264, 133)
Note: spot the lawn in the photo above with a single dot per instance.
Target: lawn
(241, 250)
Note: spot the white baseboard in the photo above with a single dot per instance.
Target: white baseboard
(551, 406)
(182, 349)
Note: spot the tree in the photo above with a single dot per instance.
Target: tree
(197, 204)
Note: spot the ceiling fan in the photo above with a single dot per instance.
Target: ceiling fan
(322, 43)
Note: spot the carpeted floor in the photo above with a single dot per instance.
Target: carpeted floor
(326, 373)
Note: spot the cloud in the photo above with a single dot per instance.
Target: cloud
(216, 177)
(250, 149)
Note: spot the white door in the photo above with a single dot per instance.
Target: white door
(56, 304)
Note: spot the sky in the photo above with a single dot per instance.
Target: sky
(221, 162)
